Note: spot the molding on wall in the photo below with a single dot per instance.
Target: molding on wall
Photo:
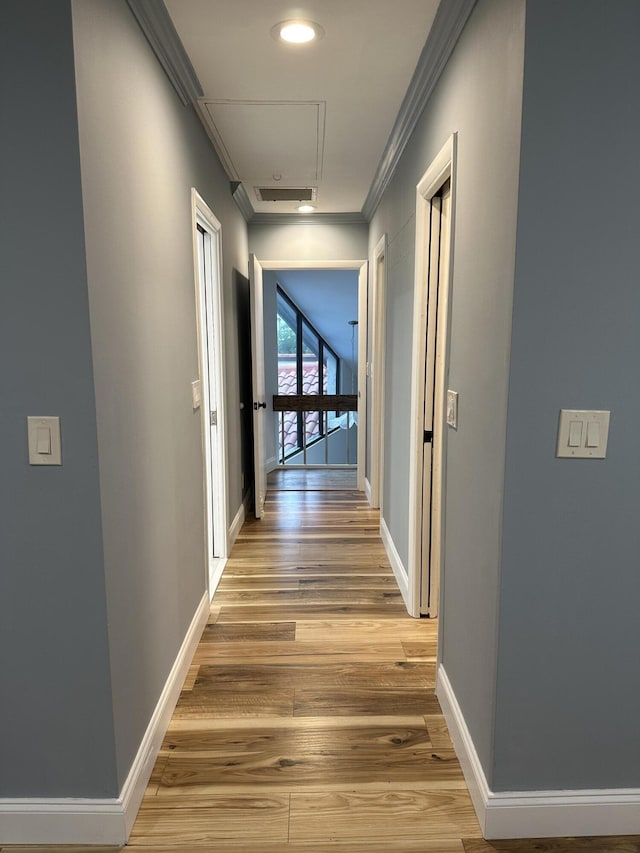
(104, 821)
(241, 198)
(464, 746)
(396, 563)
(216, 568)
(314, 219)
(238, 521)
(535, 814)
(155, 22)
(367, 489)
(447, 26)
(271, 464)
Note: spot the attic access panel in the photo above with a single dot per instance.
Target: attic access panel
(257, 139)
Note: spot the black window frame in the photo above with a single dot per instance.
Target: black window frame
(323, 346)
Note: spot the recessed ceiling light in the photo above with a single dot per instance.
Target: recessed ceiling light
(297, 31)
(306, 208)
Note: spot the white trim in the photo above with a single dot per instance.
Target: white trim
(443, 35)
(376, 370)
(535, 814)
(362, 374)
(397, 565)
(362, 267)
(216, 568)
(367, 490)
(216, 511)
(463, 745)
(238, 521)
(442, 168)
(155, 22)
(104, 821)
(312, 265)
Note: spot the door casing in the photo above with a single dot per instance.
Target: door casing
(210, 313)
(362, 267)
(442, 169)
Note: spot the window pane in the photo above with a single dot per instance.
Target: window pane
(310, 363)
(330, 378)
(287, 375)
(287, 366)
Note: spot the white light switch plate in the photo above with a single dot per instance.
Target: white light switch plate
(583, 434)
(44, 440)
(196, 397)
(452, 409)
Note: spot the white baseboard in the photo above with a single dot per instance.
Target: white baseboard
(367, 489)
(104, 821)
(238, 521)
(535, 814)
(271, 464)
(399, 570)
(464, 746)
(216, 568)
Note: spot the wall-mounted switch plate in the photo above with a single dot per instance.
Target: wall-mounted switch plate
(583, 434)
(44, 440)
(452, 409)
(196, 396)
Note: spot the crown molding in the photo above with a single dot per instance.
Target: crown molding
(449, 22)
(241, 198)
(313, 219)
(155, 22)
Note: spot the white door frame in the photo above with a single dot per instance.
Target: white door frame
(256, 288)
(442, 169)
(362, 267)
(376, 369)
(209, 315)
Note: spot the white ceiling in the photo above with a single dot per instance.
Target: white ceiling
(318, 115)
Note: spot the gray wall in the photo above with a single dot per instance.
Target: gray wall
(141, 152)
(309, 241)
(568, 694)
(55, 705)
(479, 97)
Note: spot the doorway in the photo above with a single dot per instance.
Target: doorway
(264, 413)
(208, 390)
(434, 233)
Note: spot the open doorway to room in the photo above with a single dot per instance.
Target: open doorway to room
(312, 406)
(311, 350)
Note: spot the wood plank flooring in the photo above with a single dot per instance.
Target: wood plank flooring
(312, 479)
(308, 720)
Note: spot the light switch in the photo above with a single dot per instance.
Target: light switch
(452, 409)
(575, 433)
(196, 396)
(593, 434)
(583, 434)
(44, 440)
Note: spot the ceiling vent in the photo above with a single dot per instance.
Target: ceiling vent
(286, 193)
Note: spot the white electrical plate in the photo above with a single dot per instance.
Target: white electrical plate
(583, 434)
(44, 440)
(452, 409)
(196, 396)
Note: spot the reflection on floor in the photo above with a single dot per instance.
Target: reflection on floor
(312, 479)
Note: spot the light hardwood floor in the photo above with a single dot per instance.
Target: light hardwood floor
(308, 721)
(312, 479)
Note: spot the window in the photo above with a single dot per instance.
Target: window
(306, 365)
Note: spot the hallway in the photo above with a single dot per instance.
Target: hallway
(309, 716)
(308, 719)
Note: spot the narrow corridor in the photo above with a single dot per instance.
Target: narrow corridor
(309, 717)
